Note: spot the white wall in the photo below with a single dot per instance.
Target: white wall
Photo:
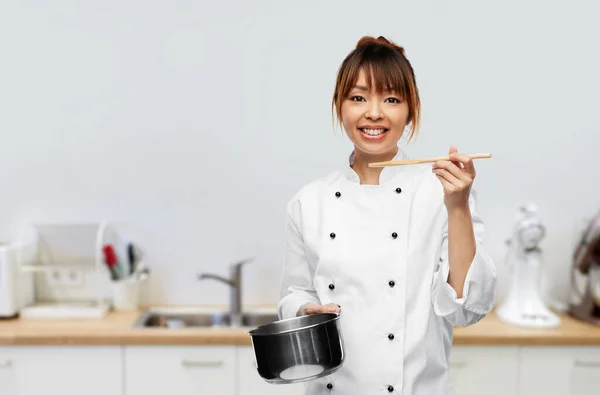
(192, 123)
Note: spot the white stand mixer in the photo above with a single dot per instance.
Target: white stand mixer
(523, 305)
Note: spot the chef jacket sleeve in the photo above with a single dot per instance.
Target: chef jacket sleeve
(297, 287)
(480, 283)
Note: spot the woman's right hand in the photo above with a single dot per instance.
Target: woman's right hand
(311, 308)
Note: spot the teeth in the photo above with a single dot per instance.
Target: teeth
(373, 132)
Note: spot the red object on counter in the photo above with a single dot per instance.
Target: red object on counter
(111, 260)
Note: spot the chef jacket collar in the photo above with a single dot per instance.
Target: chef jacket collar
(387, 173)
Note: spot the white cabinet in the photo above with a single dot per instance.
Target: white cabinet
(560, 370)
(68, 370)
(231, 370)
(8, 376)
(485, 370)
(180, 370)
(250, 382)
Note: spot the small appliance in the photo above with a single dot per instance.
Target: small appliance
(16, 286)
(584, 303)
(524, 305)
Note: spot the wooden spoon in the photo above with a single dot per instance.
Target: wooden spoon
(424, 160)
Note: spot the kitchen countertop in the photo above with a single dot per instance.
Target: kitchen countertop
(116, 329)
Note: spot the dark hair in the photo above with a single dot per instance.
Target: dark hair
(385, 64)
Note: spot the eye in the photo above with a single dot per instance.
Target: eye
(396, 101)
(356, 97)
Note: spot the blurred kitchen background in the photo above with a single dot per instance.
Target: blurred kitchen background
(188, 125)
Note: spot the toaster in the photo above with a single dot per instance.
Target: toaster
(16, 285)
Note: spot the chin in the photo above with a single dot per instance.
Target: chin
(376, 147)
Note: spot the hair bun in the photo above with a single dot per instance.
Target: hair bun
(379, 41)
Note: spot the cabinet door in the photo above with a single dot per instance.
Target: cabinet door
(560, 370)
(250, 382)
(66, 370)
(180, 370)
(484, 370)
(8, 377)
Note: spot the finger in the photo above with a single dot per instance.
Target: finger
(447, 185)
(449, 177)
(312, 309)
(316, 309)
(467, 162)
(451, 151)
(331, 308)
(457, 172)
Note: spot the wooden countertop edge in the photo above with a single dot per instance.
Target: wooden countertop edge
(116, 330)
(186, 341)
(527, 342)
(241, 339)
(122, 341)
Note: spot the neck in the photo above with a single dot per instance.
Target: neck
(370, 175)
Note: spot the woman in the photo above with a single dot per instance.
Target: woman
(396, 250)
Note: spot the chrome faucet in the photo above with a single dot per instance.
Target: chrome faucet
(235, 285)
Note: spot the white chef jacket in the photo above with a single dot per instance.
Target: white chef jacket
(381, 253)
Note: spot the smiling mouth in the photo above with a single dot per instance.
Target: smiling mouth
(373, 134)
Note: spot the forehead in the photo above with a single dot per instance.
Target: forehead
(364, 83)
(362, 77)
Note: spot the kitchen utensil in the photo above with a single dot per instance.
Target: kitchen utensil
(423, 160)
(584, 301)
(298, 349)
(141, 272)
(523, 305)
(131, 259)
(110, 258)
(595, 283)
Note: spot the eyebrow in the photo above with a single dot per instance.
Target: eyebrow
(364, 88)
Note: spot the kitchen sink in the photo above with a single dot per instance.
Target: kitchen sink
(181, 320)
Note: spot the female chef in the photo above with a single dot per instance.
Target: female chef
(396, 250)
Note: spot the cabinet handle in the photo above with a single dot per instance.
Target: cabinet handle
(588, 364)
(5, 364)
(202, 364)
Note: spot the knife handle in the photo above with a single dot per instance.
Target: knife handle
(131, 258)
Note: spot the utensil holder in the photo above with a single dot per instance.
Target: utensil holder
(126, 294)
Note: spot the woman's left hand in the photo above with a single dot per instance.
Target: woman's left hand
(456, 176)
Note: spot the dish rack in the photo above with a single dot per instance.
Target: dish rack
(69, 274)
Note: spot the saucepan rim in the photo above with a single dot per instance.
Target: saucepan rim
(257, 331)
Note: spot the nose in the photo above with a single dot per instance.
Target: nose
(373, 112)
